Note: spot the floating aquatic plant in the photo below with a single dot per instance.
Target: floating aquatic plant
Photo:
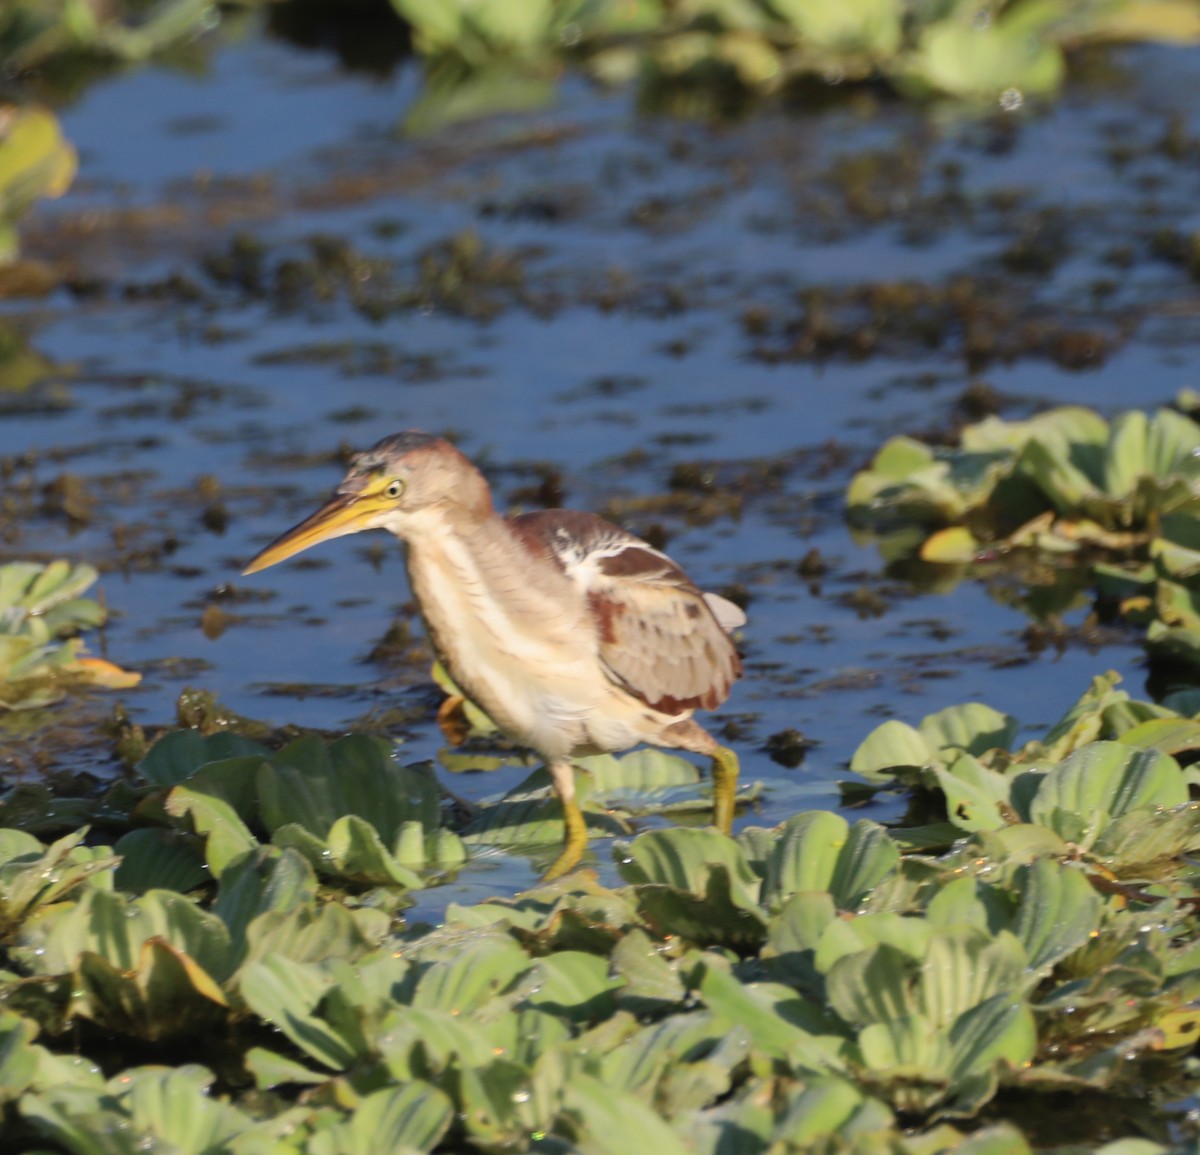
(40, 611)
(35, 162)
(1061, 480)
(715, 51)
(1065, 484)
(815, 987)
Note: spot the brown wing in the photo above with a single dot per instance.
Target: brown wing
(659, 637)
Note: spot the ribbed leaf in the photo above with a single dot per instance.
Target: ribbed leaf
(412, 1118)
(227, 836)
(1080, 797)
(1058, 912)
(314, 785)
(972, 727)
(178, 754)
(975, 795)
(115, 928)
(965, 967)
(684, 859)
(158, 858)
(891, 744)
(819, 851)
(482, 968)
(574, 985)
(286, 993)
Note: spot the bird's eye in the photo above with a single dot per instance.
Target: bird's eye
(395, 489)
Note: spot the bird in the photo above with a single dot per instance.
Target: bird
(573, 635)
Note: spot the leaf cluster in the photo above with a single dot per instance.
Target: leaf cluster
(40, 611)
(711, 53)
(818, 987)
(1122, 498)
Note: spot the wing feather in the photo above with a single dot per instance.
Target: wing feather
(658, 636)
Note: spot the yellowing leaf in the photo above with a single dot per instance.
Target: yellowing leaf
(955, 544)
(98, 672)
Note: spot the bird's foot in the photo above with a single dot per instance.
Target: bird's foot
(452, 719)
(725, 779)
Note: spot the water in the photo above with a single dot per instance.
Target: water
(629, 347)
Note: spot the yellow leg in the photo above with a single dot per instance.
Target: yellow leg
(725, 777)
(575, 837)
(575, 841)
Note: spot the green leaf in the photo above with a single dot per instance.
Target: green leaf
(976, 797)
(646, 781)
(982, 61)
(19, 1058)
(1059, 911)
(1082, 722)
(819, 851)
(891, 744)
(999, 1030)
(261, 880)
(1083, 794)
(875, 985)
(971, 727)
(843, 937)
(286, 993)
(1169, 735)
(33, 877)
(793, 936)
(872, 26)
(965, 967)
(164, 995)
(832, 1106)
(484, 964)
(649, 983)
(228, 837)
(968, 902)
(116, 929)
(273, 1070)
(410, 1118)
(752, 1007)
(1000, 1139)
(574, 985)
(529, 817)
(153, 858)
(604, 1122)
(168, 1108)
(178, 754)
(314, 934)
(358, 854)
(685, 859)
(314, 785)
(1149, 834)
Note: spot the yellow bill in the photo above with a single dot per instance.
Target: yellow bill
(339, 516)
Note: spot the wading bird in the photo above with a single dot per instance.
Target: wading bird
(574, 636)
